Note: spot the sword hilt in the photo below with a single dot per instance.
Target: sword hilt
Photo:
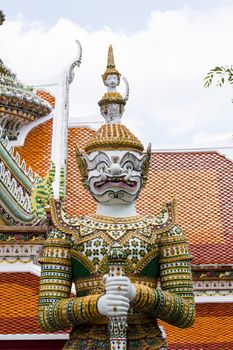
(118, 324)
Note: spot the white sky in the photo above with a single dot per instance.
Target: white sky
(164, 48)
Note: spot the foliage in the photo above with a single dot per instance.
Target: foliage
(222, 74)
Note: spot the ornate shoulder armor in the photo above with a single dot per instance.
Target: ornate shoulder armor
(166, 219)
(61, 219)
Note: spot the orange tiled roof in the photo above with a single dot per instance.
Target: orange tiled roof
(46, 96)
(18, 314)
(37, 148)
(75, 190)
(202, 184)
(211, 331)
(18, 303)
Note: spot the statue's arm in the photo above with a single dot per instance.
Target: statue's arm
(57, 310)
(174, 302)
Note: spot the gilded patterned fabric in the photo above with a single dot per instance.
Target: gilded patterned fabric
(76, 251)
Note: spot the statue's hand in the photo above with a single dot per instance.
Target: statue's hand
(113, 305)
(120, 286)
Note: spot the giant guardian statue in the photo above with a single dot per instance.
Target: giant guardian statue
(129, 270)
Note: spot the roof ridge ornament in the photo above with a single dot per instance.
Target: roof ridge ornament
(19, 104)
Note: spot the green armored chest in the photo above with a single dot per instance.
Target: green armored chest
(92, 237)
(96, 235)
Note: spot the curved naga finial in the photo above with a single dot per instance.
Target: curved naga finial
(126, 97)
(75, 63)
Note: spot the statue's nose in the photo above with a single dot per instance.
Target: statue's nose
(115, 169)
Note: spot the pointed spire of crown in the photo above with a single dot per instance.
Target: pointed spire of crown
(113, 135)
(112, 103)
(111, 62)
(111, 68)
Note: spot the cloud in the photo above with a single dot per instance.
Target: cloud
(203, 137)
(165, 64)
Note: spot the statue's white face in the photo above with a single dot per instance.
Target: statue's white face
(114, 177)
(112, 81)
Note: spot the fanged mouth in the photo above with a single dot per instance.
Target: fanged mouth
(115, 182)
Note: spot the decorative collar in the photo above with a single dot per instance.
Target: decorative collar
(88, 224)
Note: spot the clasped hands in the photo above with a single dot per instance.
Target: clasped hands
(119, 293)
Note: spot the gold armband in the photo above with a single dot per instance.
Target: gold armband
(85, 308)
(145, 297)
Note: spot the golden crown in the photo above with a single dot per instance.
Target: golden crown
(113, 137)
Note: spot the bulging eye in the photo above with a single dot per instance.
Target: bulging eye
(128, 166)
(101, 167)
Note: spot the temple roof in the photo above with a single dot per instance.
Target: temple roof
(17, 180)
(19, 104)
(16, 184)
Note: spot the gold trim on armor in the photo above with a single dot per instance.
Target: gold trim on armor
(56, 261)
(176, 258)
(115, 220)
(146, 259)
(150, 222)
(84, 260)
(107, 237)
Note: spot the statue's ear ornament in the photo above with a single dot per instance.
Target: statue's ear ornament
(82, 164)
(146, 165)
